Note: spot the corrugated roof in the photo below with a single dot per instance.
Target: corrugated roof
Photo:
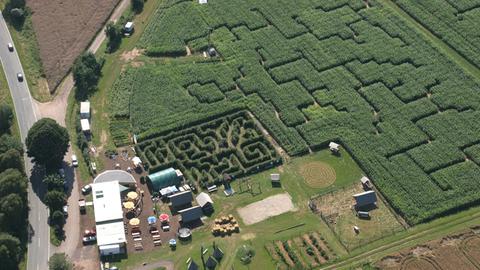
(203, 198)
(85, 107)
(107, 202)
(110, 233)
(191, 214)
(181, 198)
(365, 198)
(165, 178)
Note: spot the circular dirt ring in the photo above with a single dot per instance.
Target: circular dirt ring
(318, 174)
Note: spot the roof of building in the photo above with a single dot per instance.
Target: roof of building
(85, 107)
(192, 266)
(85, 124)
(168, 190)
(364, 180)
(365, 198)
(122, 177)
(181, 198)
(217, 253)
(110, 233)
(333, 145)
(203, 198)
(107, 202)
(210, 263)
(128, 25)
(191, 214)
(165, 178)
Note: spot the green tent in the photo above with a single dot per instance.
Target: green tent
(164, 178)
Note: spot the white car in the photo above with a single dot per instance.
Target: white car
(20, 77)
(65, 210)
(86, 189)
(10, 46)
(74, 161)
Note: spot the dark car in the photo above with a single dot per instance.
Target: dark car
(20, 77)
(87, 240)
(10, 46)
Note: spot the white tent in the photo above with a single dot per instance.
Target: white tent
(202, 1)
(136, 161)
(334, 147)
(85, 110)
(85, 125)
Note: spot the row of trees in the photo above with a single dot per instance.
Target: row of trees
(13, 194)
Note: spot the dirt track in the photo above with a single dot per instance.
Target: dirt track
(64, 28)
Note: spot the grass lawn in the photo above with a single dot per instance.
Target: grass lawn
(257, 235)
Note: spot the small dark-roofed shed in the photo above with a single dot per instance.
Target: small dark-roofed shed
(204, 200)
(210, 263)
(365, 198)
(191, 214)
(217, 254)
(181, 199)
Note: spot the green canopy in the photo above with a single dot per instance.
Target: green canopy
(164, 178)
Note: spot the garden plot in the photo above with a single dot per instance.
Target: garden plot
(266, 208)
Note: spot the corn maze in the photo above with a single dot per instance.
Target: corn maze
(232, 144)
(312, 72)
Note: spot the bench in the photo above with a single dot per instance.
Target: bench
(212, 188)
(135, 234)
(154, 231)
(156, 236)
(166, 228)
(137, 239)
(157, 243)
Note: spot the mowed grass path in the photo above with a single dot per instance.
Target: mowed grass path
(257, 235)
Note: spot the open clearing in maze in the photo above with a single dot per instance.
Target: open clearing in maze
(313, 72)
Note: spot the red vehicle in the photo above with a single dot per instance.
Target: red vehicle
(91, 232)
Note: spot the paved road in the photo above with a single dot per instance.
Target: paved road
(39, 245)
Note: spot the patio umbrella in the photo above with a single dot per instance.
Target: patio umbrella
(129, 205)
(132, 195)
(134, 222)
(151, 220)
(164, 218)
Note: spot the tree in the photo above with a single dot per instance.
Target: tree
(13, 206)
(17, 3)
(47, 142)
(114, 35)
(86, 73)
(59, 261)
(6, 116)
(137, 5)
(13, 181)
(11, 160)
(10, 251)
(53, 182)
(55, 200)
(7, 142)
(57, 218)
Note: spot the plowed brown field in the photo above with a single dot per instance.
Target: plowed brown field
(64, 28)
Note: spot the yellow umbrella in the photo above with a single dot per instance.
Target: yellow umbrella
(132, 195)
(129, 205)
(134, 222)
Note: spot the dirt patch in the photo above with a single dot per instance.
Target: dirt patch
(64, 28)
(131, 55)
(459, 251)
(266, 208)
(318, 174)
(248, 236)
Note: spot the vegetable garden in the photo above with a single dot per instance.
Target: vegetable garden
(310, 72)
(232, 145)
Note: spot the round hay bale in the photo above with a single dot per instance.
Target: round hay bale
(318, 174)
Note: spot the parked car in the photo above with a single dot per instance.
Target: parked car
(20, 77)
(65, 210)
(89, 240)
(10, 46)
(86, 189)
(74, 161)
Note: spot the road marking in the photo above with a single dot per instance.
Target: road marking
(39, 242)
(38, 217)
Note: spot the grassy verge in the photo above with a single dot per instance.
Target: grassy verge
(54, 240)
(70, 118)
(28, 50)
